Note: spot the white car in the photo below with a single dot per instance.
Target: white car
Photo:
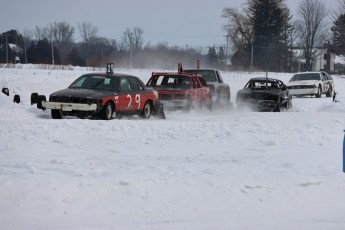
(310, 84)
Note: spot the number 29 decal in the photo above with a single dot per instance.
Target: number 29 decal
(136, 99)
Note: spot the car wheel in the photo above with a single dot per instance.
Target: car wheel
(56, 114)
(277, 108)
(147, 110)
(318, 95)
(34, 97)
(189, 105)
(330, 92)
(41, 98)
(16, 99)
(107, 112)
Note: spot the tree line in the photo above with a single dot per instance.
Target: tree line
(263, 36)
(54, 44)
(266, 36)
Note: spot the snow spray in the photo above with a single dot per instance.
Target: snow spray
(344, 153)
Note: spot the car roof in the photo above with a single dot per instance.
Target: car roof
(109, 74)
(175, 74)
(264, 79)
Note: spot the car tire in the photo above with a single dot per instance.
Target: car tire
(107, 112)
(319, 92)
(34, 97)
(16, 99)
(147, 110)
(6, 91)
(56, 114)
(41, 98)
(278, 107)
(330, 92)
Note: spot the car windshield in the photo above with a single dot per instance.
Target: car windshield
(95, 82)
(306, 77)
(172, 81)
(208, 75)
(262, 84)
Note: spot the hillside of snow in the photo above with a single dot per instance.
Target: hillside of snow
(222, 169)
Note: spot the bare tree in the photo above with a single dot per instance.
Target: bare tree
(87, 32)
(238, 28)
(38, 33)
(132, 39)
(61, 33)
(312, 26)
(27, 37)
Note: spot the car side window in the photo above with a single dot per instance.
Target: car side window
(219, 77)
(124, 85)
(135, 85)
(324, 77)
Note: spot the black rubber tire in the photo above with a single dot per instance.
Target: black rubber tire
(147, 110)
(278, 107)
(6, 91)
(330, 92)
(56, 114)
(319, 92)
(107, 112)
(16, 99)
(41, 98)
(34, 97)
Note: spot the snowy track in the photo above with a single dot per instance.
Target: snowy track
(215, 170)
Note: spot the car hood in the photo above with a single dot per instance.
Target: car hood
(82, 93)
(309, 82)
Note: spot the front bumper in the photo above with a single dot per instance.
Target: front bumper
(69, 107)
(175, 104)
(303, 91)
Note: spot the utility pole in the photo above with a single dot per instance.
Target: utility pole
(6, 50)
(252, 56)
(52, 53)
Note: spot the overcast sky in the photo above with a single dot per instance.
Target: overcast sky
(178, 22)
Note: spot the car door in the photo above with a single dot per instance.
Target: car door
(137, 95)
(124, 98)
(325, 83)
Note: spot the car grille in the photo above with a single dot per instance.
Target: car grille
(301, 87)
(70, 99)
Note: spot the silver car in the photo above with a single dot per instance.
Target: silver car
(219, 89)
(311, 84)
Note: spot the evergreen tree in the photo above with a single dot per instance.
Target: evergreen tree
(269, 20)
(212, 56)
(338, 30)
(75, 59)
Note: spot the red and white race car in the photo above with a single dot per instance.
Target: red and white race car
(105, 95)
(180, 90)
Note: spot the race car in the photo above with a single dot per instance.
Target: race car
(219, 89)
(106, 96)
(180, 90)
(264, 94)
(311, 84)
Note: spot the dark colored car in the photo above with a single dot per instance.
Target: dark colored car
(264, 94)
(180, 90)
(105, 95)
(219, 89)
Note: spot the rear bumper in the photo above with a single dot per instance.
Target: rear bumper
(68, 107)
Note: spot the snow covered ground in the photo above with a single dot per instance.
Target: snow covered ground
(214, 170)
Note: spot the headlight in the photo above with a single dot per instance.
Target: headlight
(155, 94)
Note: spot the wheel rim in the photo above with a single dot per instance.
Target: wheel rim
(147, 110)
(109, 112)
